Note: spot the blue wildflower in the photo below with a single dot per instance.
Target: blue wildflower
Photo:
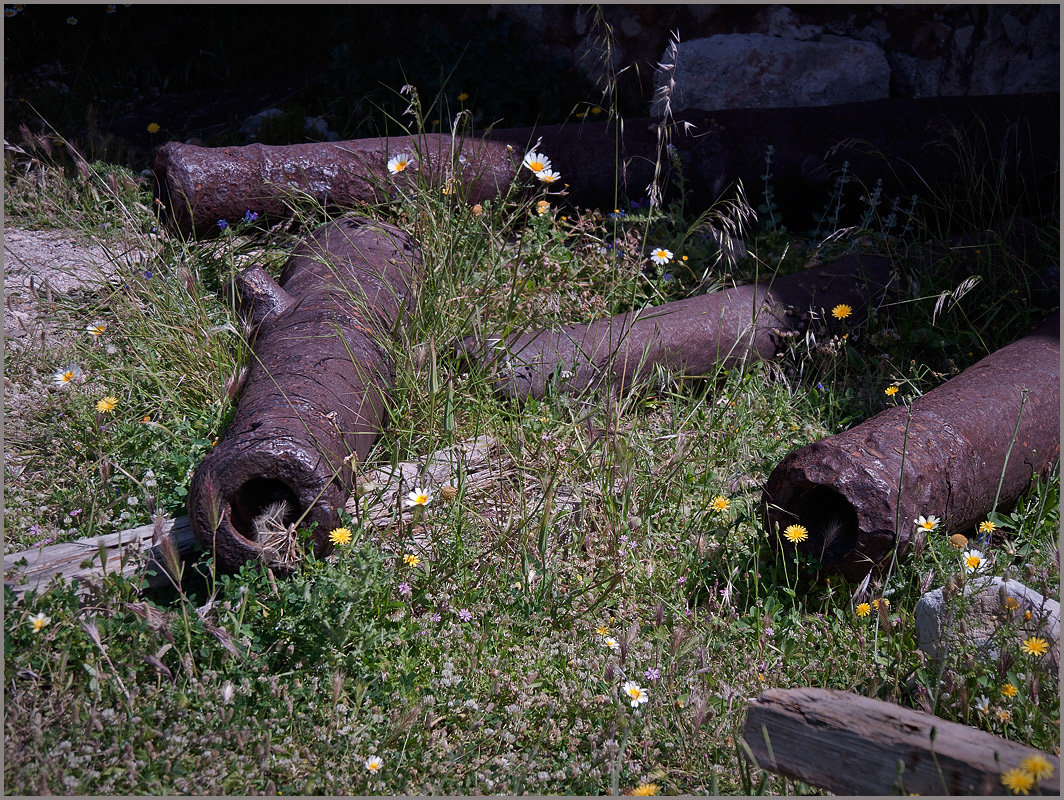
(250, 216)
(223, 224)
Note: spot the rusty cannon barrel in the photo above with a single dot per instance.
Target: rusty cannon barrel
(313, 398)
(694, 336)
(197, 186)
(859, 492)
(898, 140)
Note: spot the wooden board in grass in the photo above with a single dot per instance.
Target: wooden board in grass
(131, 552)
(855, 745)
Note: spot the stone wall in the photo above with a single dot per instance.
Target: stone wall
(762, 56)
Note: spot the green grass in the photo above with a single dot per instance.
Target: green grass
(485, 666)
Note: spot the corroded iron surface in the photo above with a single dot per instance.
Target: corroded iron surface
(694, 336)
(859, 492)
(197, 186)
(312, 402)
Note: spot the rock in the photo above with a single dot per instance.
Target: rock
(1020, 51)
(758, 71)
(939, 628)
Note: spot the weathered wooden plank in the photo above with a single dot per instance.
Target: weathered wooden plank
(130, 552)
(855, 745)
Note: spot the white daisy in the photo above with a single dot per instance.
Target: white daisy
(928, 523)
(548, 176)
(68, 374)
(661, 256)
(397, 164)
(418, 497)
(537, 162)
(973, 560)
(635, 693)
(374, 764)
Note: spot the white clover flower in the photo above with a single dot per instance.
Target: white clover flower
(973, 560)
(397, 164)
(661, 256)
(418, 497)
(635, 693)
(928, 523)
(548, 176)
(537, 162)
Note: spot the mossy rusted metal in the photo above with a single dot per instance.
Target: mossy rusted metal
(313, 400)
(695, 336)
(859, 492)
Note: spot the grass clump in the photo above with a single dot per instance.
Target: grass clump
(593, 621)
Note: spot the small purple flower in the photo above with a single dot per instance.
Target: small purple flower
(682, 579)
(147, 274)
(465, 614)
(405, 590)
(223, 224)
(75, 512)
(250, 216)
(35, 530)
(820, 386)
(652, 674)
(435, 617)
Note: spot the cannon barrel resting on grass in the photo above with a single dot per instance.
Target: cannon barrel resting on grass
(314, 394)
(859, 492)
(694, 336)
(902, 141)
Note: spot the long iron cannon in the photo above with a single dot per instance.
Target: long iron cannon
(903, 142)
(313, 399)
(693, 336)
(975, 440)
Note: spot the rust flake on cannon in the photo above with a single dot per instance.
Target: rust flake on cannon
(313, 399)
(859, 492)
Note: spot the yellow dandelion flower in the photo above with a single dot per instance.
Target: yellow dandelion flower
(107, 404)
(154, 127)
(987, 527)
(883, 600)
(890, 391)
(463, 97)
(645, 790)
(720, 503)
(1017, 781)
(1011, 603)
(841, 311)
(1035, 646)
(863, 609)
(602, 630)
(411, 560)
(958, 541)
(340, 536)
(596, 110)
(796, 533)
(1038, 765)
(1009, 690)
